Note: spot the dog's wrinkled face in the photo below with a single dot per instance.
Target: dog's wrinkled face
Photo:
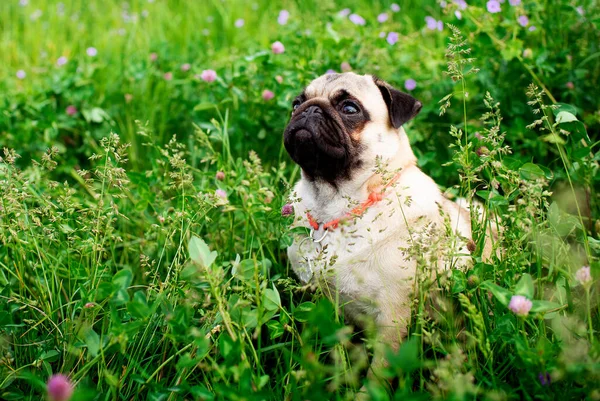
(341, 121)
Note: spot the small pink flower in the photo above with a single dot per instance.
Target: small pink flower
(185, 67)
(168, 76)
(527, 53)
(91, 51)
(153, 56)
(279, 79)
(277, 47)
(519, 305)
(71, 110)
(345, 66)
(59, 388)
(62, 60)
(583, 275)
(478, 136)
(410, 84)
(493, 6)
(208, 75)
(21, 74)
(239, 23)
(282, 19)
(220, 175)
(287, 210)
(392, 38)
(381, 18)
(440, 26)
(128, 97)
(431, 23)
(357, 19)
(514, 2)
(267, 95)
(395, 7)
(89, 305)
(570, 85)
(523, 20)
(221, 194)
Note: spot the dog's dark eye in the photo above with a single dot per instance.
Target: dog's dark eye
(350, 108)
(295, 104)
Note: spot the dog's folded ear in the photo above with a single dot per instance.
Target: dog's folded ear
(401, 106)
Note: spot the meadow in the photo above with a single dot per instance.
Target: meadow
(143, 185)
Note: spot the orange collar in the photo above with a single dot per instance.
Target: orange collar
(358, 211)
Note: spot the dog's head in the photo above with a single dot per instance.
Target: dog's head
(341, 122)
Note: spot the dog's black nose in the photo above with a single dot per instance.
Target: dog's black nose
(314, 109)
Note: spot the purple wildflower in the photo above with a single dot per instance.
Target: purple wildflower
(431, 23)
(392, 38)
(382, 34)
(357, 19)
(59, 388)
(440, 26)
(344, 13)
(493, 6)
(283, 17)
(395, 7)
(519, 305)
(514, 2)
(277, 47)
(62, 60)
(580, 11)
(381, 18)
(462, 4)
(458, 14)
(583, 275)
(330, 71)
(287, 210)
(443, 4)
(91, 51)
(168, 76)
(523, 20)
(267, 95)
(532, 28)
(544, 378)
(71, 110)
(410, 84)
(21, 74)
(239, 23)
(208, 75)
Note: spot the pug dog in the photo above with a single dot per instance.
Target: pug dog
(374, 217)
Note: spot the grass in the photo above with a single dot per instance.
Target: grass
(122, 267)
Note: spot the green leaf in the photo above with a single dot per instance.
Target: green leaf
(121, 297)
(501, 294)
(271, 299)
(565, 117)
(92, 340)
(95, 115)
(200, 252)
(302, 311)
(122, 279)
(543, 306)
(530, 171)
(525, 286)
(275, 329)
(204, 106)
(407, 358)
(459, 281)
